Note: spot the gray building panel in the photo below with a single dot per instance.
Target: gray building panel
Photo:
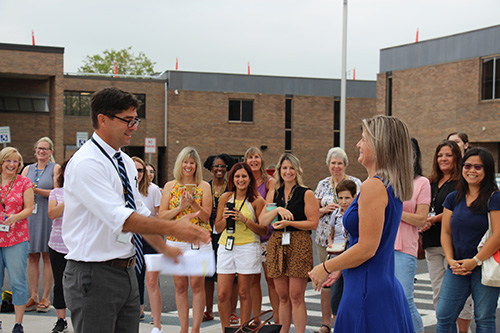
(273, 85)
(472, 44)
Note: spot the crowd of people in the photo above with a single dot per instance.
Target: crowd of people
(93, 218)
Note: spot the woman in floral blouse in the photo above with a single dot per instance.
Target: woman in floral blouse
(17, 199)
(337, 162)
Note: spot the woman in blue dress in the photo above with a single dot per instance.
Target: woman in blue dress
(373, 299)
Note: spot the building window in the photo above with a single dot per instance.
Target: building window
(141, 111)
(241, 111)
(77, 103)
(389, 94)
(288, 125)
(20, 102)
(490, 88)
(336, 123)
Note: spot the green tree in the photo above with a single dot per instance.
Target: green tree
(126, 61)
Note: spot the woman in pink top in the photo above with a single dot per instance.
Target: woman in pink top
(16, 196)
(406, 244)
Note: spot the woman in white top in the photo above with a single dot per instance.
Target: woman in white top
(151, 197)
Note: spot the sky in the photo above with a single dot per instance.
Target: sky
(298, 38)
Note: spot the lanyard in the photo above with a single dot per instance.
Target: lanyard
(38, 176)
(234, 199)
(433, 202)
(109, 158)
(289, 195)
(4, 199)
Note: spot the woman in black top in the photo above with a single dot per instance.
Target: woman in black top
(446, 169)
(289, 250)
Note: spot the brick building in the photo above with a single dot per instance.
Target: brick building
(213, 112)
(445, 85)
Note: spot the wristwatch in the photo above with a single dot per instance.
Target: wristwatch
(478, 262)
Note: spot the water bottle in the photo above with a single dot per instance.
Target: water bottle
(270, 207)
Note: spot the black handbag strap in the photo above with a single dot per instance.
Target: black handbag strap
(244, 328)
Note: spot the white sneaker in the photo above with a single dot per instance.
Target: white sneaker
(156, 330)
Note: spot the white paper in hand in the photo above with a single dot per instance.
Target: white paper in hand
(191, 263)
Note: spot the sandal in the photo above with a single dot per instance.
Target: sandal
(324, 329)
(208, 316)
(43, 306)
(234, 319)
(31, 305)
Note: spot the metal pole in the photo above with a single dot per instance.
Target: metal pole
(343, 78)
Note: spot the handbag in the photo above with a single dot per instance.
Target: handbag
(263, 327)
(420, 251)
(490, 269)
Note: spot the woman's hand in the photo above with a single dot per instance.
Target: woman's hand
(285, 213)
(329, 208)
(11, 219)
(186, 200)
(466, 266)
(229, 213)
(428, 224)
(239, 216)
(320, 278)
(281, 224)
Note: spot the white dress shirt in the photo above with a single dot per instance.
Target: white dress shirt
(94, 205)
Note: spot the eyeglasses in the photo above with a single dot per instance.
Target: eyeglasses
(42, 149)
(222, 166)
(477, 167)
(140, 170)
(130, 123)
(10, 161)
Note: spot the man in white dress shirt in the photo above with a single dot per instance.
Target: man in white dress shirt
(100, 284)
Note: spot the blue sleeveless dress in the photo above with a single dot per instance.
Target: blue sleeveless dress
(373, 299)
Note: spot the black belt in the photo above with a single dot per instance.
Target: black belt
(125, 263)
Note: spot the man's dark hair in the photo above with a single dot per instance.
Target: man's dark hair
(111, 101)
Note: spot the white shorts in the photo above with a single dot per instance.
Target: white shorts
(187, 246)
(243, 259)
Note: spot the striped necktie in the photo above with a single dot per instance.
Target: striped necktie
(130, 203)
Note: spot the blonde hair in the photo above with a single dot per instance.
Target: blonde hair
(252, 151)
(296, 165)
(51, 146)
(8, 151)
(145, 182)
(186, 153)
(391, 142)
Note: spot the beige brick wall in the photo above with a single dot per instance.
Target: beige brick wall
(439, 99)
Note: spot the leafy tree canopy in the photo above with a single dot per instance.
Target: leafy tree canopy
(126, 61)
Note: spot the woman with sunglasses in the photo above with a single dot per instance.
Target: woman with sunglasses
(464, 222)
(151, 197)
(43, 174)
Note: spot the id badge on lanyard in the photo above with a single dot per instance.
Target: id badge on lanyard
(285, 238)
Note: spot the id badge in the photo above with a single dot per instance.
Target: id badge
(123, 238)
(195, 246)
(229, 243)
(285, 239)
(35, 208)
